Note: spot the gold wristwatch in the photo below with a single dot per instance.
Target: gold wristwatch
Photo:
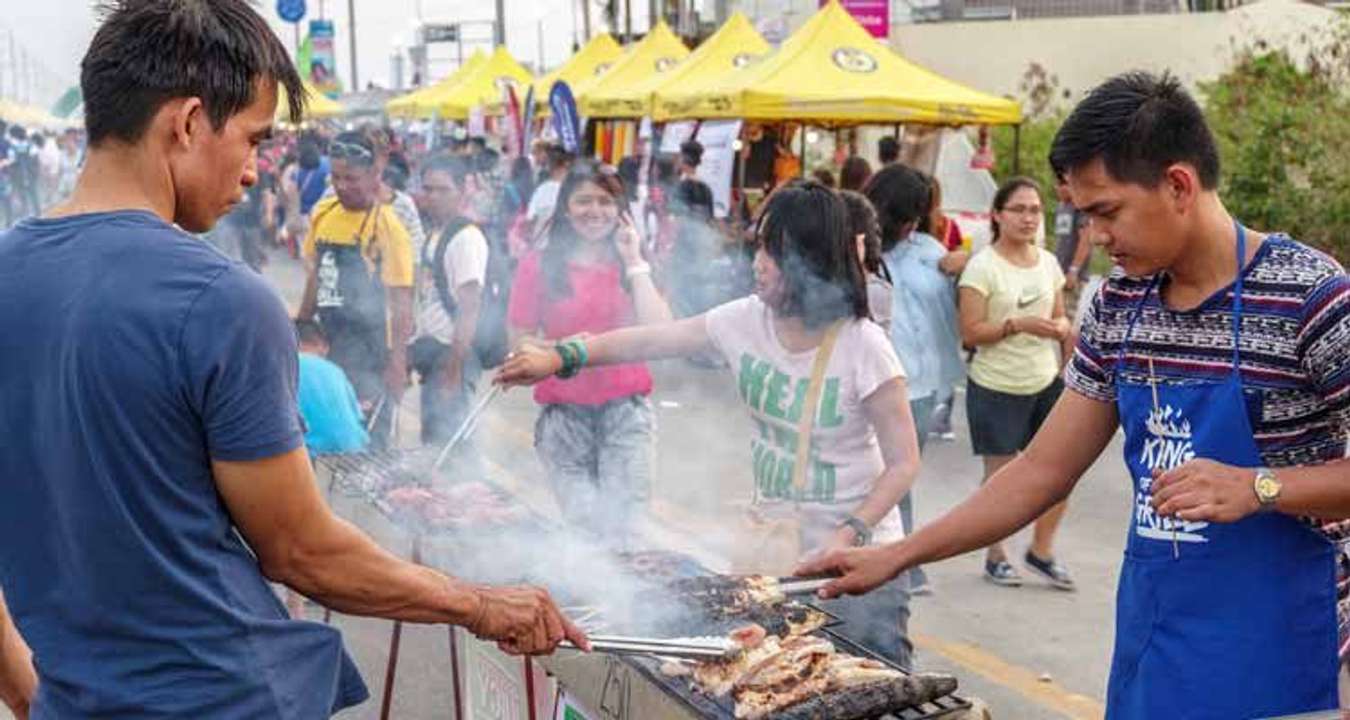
(1267, 488)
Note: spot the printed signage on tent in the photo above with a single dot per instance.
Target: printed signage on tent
(565, 121)
(322, 70)
(718, 138)
(875, 15)
(292, 11)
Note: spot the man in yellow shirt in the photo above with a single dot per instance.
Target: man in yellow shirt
(360, 263)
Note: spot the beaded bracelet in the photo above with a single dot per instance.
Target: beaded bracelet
(570, 364)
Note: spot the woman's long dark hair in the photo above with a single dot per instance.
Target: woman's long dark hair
(562, 237)
(900, 195)
(805, 228)
(1005, 191)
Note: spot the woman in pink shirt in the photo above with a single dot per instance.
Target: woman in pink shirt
(595, 429)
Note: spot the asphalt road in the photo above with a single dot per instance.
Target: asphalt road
(1031, 652)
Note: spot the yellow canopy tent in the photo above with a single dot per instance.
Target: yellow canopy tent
(422, 103)
(484, 87)
(318, 105)
(833, 72)
(656, 54)
(591, 60)
(31, 117)
(735, 45)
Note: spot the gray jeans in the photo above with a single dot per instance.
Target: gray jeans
(599, 459)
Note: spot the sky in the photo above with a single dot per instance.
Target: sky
(56, 32)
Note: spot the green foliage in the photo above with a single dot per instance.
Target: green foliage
(1284, 141)
(1283, 129)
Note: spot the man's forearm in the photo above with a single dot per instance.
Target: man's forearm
(886, 493)
(18, 681)
(348, 572)
(1319, 491)
(470, 302)
(1015, 496)
(400, 325)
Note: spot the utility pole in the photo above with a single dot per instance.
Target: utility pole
(653, 14)
(540, 28)
(499, 30)
(628, 20)
(351, 37)
(585, 21)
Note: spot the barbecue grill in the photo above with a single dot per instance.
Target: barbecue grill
(634, 688)
(613, 687)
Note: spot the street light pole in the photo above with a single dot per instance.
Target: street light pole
(351, 37)
(499, 31)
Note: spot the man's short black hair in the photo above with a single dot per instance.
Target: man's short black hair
(458, 167)
(1138, 124)
(148, 52)
(309, 332)
(888, 150)
(691, 152)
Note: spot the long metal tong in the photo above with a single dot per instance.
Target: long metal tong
(688, 648)
(470, 423)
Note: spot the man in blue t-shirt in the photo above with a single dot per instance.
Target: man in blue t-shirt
(327, 399)
(153, 469)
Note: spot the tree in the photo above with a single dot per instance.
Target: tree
(1282, 131)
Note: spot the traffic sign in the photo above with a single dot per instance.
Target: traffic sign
(292, 11)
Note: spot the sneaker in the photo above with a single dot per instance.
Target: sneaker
(1051, 570)
(1002, 573)
(948, 436)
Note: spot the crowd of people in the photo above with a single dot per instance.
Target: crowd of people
(156, 462)
(37, 168)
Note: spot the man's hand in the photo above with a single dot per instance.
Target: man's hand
(862, 569)
(523, 621)
(1204, 490)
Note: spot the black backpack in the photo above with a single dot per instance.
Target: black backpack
(490, 340)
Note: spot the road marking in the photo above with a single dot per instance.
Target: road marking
(1018, 679)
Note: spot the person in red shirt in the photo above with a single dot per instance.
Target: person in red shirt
(595, 429)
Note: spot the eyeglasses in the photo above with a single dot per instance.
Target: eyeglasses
(1022, 209)
(349, 151)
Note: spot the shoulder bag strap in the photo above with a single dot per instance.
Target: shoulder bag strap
(813, 393)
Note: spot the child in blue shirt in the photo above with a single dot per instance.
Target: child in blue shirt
(327, 399)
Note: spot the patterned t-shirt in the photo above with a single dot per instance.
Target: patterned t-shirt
(1295, 355)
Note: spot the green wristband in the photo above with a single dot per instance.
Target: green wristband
(570, 361)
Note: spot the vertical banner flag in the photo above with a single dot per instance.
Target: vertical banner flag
(322, 70)
(515, 132)
(527, 139)
(874, 15)
(565, 120)
(718, 138)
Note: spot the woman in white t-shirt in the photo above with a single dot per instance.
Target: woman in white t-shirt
(862, 453)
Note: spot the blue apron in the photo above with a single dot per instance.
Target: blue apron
(1214, 620)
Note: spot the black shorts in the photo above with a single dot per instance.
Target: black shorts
(1003, 424)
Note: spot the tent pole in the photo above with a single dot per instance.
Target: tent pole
(801, 166)
(1017, 149)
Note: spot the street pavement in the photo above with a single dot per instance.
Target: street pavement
(1028, 653)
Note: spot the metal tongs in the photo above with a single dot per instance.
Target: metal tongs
(470, 423)
(803, 586)
(681, 648)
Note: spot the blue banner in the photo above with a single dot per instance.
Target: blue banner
(565, 120)
(292, 11)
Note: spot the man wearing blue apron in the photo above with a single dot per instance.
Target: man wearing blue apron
(1222, 354)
